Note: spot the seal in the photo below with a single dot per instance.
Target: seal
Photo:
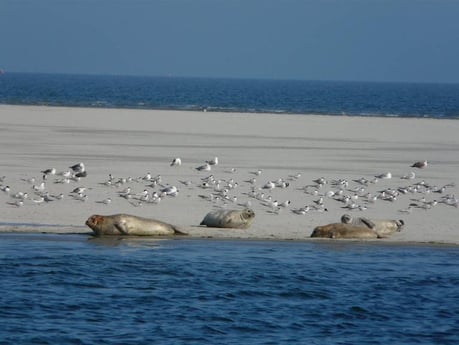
(237, 219)
(341, 230)
(383, 227)
(125, 224)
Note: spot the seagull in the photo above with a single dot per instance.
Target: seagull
(419, 165)
(269, 185)
(205, 167)
(176, 162)
(147, 177)
(78, 190)
(170, 190)
(213, 161)
(39, 188)
(5, 189)
(301, 211)
(17, 203)
(66, 174)
(59, 197)
(39, 200)
(386, 175)
(51, 171)
(81, 174)
(411, 175)
(78, 168)
(21, 195)
(285, 203)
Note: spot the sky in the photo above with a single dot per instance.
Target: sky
(352, 40)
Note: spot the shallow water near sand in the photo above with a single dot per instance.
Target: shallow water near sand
(75, 289)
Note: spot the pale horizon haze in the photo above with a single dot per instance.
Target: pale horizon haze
(354, 40)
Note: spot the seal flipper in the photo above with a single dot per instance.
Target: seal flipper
(368, 222)
(178, 231)
(121, 227)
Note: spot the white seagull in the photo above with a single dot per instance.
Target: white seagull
(176, 162)
(213, 161)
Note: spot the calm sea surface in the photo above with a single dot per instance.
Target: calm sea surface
(239, 95)
(72, 289)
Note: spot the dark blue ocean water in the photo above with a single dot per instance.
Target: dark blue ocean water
(239, 95)
(72, 289)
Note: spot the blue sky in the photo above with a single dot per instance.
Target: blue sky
(374, 40)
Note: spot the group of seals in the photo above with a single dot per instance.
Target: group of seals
(351, 228)
(124, 224)
(359, 228)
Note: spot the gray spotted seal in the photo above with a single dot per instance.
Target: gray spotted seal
(124, 224)
(341, 230)
(237, 219)
(383, 227)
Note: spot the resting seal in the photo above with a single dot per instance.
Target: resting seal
(341, 230)
(229, 219)
(124, 224)
(383, 227)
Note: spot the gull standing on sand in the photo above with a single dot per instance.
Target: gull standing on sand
(51, 171)
(419, 165)
(385, 176)
(78, 168)
(205, 167)
(410, 176)
(213, 161)
(176, 162)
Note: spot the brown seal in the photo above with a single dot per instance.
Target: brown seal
(383, 227)
(237, 219)
(124, 224)
(341, 230)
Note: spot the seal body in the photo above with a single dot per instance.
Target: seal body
(124, 224)
(237, 219)
(341, 230)
(383, 227)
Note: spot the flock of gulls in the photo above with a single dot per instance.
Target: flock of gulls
(219, 187)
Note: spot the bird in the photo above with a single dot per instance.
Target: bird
(176, 162)
(78, 190)
(5, 189)
(205, 167)
(419, 165)
(269, 185)
(78, 168)
(411, 175)
(386, 175)
(213, 161)
(51, 171)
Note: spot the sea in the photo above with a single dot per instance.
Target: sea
(76, 289)
(233, 95)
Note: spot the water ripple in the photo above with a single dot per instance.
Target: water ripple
(68, 289)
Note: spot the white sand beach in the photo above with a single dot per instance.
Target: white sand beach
(290, 148)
